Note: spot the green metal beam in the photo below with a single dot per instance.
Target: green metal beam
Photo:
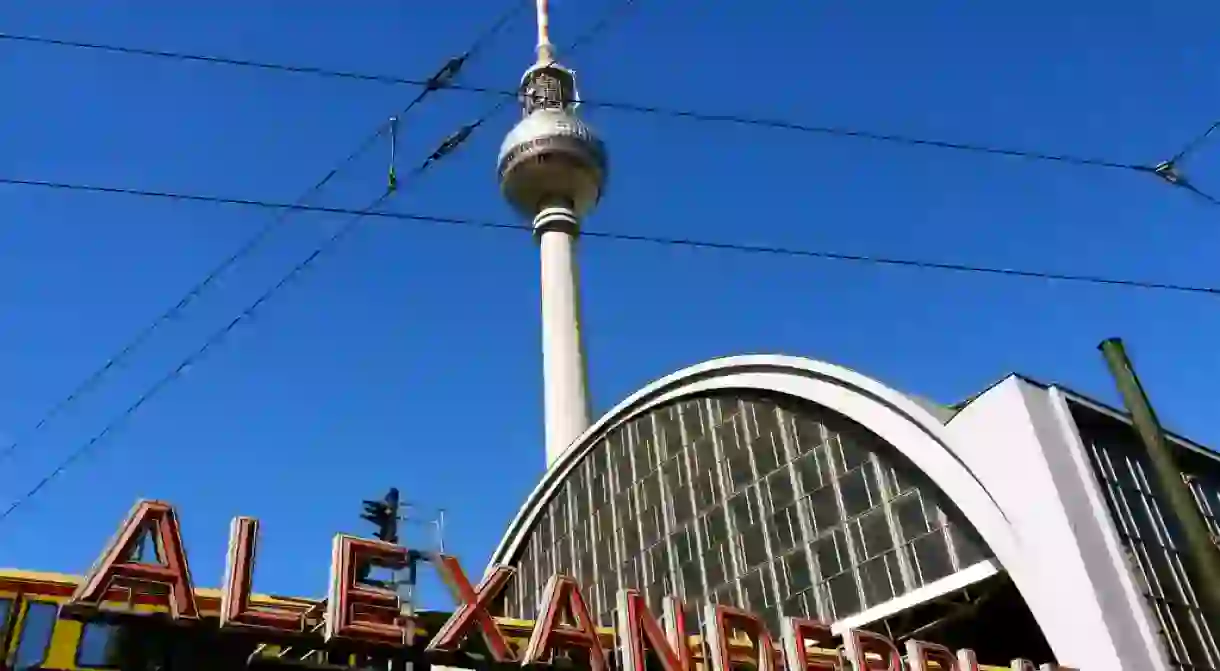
(1200, 552)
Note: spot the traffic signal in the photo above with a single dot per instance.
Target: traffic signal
(384, 514)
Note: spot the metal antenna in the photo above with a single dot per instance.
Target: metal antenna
(545, 51)
(393, 176)
(440, 531)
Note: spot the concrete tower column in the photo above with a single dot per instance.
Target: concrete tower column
(565, 379)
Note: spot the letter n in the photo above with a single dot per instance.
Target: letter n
(236, 608)
(636, 625)
(120, 567)
(561, 600)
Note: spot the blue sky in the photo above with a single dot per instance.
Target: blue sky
(410, 356)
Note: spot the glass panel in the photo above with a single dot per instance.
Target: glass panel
(875, 579)
(36, 628)
(853, 454)
(785, 530)
(753, 545)
(778, 506)
(830, 554)
(99, 645)
(823, 509)
(970, 548)
(1119, 464)
(854, 487)
(768, 453)
(872, 534)
(909, 513)
(932, 557)
(808, 433)
(796, 569)
(844, 595)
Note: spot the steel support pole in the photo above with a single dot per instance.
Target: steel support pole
(1199, 549)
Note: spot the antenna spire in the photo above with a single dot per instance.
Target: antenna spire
(546, 51)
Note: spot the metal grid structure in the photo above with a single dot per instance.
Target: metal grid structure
(1150, 538)
(767, 504)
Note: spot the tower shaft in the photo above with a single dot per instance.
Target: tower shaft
(565, 381)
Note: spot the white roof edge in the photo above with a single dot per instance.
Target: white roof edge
(912, 408)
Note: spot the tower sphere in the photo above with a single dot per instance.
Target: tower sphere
(552, 155)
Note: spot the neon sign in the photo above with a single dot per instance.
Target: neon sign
(370, 617)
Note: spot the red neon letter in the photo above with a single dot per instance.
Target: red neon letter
(966, 660)
(358, 611)
(860, 643)
(636, 623)
(920, 653)
(472, 609)
(718, 620)
(119, 566)
(235, 606)
(797, 633)
(562, 598)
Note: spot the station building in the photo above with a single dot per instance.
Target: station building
(1022, 522)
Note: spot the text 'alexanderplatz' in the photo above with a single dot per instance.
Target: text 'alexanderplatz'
(372, 615)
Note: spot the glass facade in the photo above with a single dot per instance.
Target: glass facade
(767, 504)
(1150, 538)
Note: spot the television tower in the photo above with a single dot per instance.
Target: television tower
(552, 169)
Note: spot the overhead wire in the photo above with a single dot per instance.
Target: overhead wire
(218, 336)
(443, 77)
(642, 238)
(676, 113)
(1170, 170)
(176, 372)
(1195, 143)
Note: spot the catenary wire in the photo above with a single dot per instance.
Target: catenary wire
(1195, 143)
(651, 239)
(689, 114)
(439, 80)
(216, 337)
(451, 143)
(1170, 170)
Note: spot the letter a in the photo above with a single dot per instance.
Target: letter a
(562, 597)
(119, 566)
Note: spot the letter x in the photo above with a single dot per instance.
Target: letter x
(472, 609)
